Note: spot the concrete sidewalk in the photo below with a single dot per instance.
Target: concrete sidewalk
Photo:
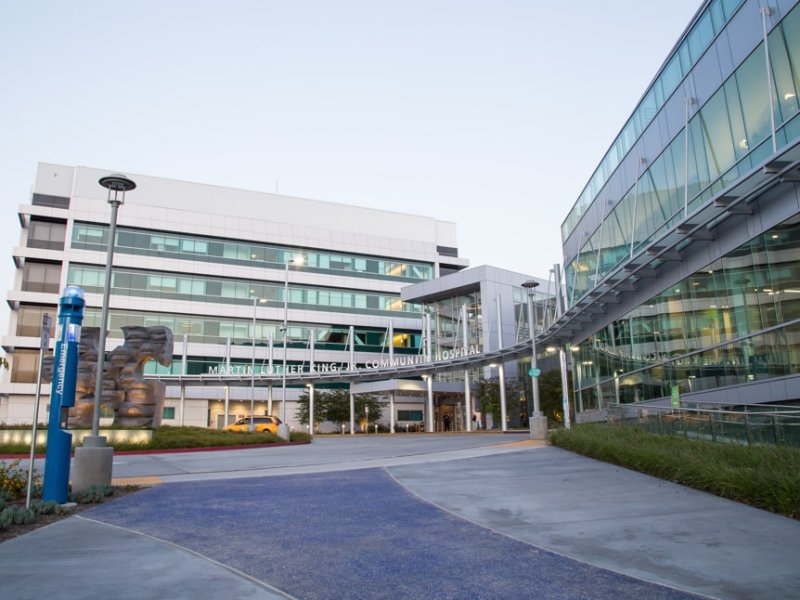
(78, 559)
(621, 520)
(449, 519)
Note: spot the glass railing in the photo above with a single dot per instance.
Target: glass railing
(743, 424)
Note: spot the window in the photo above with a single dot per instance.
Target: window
(158, 282)
(29, 321)
(168, 413)
(45, 200)
(24, 366)
(41, 277)
(194, 246)
(409, 415)
(89, 234)
(50, 236)
(85, 277)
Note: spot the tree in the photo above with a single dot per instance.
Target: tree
(334, 405)
(488, 392)
(550, 396)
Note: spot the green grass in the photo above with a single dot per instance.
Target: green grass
(766, 477)
(174, 438)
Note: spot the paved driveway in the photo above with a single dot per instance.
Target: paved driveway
(449, 516)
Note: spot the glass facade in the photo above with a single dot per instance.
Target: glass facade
(200, 288)
(733, 322)
(216, 330)
(728, 136)
(89, 236)
(708, 25)
(447, 323)
(544, 311)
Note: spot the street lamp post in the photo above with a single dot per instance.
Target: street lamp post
(538, 422)
(116, 185)
(93, 464)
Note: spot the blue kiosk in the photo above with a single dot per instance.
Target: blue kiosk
(62, 396)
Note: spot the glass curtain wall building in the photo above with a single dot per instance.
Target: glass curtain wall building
(682, 260)
(216, 265)
(474, 310)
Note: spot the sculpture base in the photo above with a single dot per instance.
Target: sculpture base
(538, 428)
(93, 464)
(283, 431)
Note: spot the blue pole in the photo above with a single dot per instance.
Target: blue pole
(62, 395)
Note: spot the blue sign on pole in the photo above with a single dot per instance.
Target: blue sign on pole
(62, 395)
(534, 372)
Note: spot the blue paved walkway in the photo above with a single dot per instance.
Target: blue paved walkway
(358, 534)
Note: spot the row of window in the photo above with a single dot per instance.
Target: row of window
(757, 358)
(727, 137)
(216, 330)
(710, 23)
(724, 308)
(89, 236)
(200, 288)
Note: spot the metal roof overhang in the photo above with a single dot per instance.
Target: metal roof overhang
(356, 375)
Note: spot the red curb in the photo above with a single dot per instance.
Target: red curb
(175, 450)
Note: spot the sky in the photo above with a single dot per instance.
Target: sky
(492, 114)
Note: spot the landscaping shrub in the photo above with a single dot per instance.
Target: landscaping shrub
(16, 515)
(177, 438)
(95, 494)
(766, 477)
(51, 507)
(13, 480)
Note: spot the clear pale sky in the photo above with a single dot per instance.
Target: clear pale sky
(492, 113)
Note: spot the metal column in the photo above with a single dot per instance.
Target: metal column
(311, 367)
(467, 396)
(561, 307)
(429, 378)
(501, 370)
(184, 369)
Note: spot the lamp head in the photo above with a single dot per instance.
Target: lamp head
(117, 182)
(530, 286)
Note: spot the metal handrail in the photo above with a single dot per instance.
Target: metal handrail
(719, 425)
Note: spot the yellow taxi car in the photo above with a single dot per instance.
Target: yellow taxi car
(260, 423)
